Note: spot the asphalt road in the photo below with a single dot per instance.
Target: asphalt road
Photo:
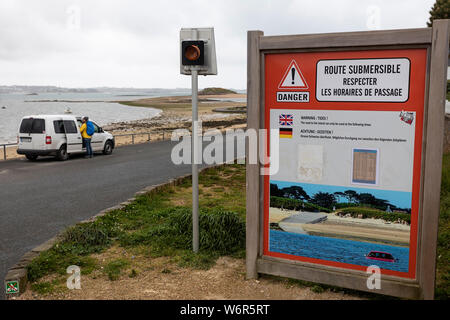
(39, 199)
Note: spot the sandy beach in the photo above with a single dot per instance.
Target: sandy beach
(367, 230)
(176, 114)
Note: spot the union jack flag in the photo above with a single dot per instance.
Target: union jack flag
(286, 119)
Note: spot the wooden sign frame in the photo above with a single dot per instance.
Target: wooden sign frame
(436, 41)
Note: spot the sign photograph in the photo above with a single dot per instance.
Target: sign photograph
(357, 118)
(343, 195)
(346, 173)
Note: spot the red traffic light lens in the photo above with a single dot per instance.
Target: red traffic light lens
(192, 52)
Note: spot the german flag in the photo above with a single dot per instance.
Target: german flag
(285, 132)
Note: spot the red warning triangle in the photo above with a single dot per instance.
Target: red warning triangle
(293, 78)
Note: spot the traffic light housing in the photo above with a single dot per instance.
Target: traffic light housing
(193, 53)
(197, 51)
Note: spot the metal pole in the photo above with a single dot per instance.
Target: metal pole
(4, 152)
(194, 148)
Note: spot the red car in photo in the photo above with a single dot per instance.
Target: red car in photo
(380, 256)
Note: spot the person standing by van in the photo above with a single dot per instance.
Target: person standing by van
(87, 130)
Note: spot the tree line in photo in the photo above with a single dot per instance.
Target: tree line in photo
(331, 200)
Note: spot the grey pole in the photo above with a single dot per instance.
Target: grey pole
(194, 148)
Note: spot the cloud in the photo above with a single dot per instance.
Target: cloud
(83, 43)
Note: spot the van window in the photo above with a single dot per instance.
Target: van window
(25, 126)
(70, 126)
(32, 126)
(59, 126)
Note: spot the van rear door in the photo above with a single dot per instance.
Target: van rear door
(74, 142)
(32, 134)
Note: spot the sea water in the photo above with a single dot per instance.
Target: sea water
(99, 106)
(339, 250)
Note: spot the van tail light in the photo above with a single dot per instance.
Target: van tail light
(18, 140)
(48, 140)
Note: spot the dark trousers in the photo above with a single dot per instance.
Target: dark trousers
(87, 144)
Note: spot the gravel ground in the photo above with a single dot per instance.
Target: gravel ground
(161, 279)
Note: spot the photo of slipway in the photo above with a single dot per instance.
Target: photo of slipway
(223, 159)
(349, 226)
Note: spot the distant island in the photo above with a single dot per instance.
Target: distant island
(37, 90)
(215, 91)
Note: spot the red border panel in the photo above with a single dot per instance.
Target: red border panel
(275, 67)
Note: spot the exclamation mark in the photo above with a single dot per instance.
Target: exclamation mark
(293, 75)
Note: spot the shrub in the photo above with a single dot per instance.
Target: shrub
(220, 231)
(115, 267)
(292, 204)
(56, 260)
(44, 287)
(346, 205)
(376, 214)
(76, 243)
(86, 238)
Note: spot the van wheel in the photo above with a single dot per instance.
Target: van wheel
(108, 149)
(31, 157)
(62, 154)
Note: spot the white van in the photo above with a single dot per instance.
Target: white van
(58, 135)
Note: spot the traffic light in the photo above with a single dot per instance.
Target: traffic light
(193, 53)
(197, 51)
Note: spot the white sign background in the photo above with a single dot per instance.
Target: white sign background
(383, 80)
(335, 168)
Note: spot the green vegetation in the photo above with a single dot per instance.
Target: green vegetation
(448, 90)
(293, 204)
(354, 209)
(133, 273)
(220, 231)
(443, 246)
(330, 200)
(76, 244)
(214, 91)
(44, 287)
(114, 268)
(440, 10)
(346, 205)
(376, 214)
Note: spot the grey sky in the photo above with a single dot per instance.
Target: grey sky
(134, 43)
